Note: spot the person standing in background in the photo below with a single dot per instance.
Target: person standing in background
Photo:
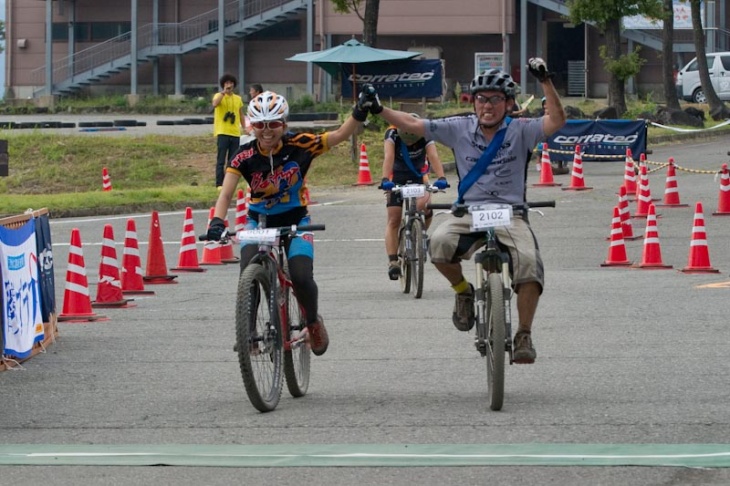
(228, 121)
(254, 90)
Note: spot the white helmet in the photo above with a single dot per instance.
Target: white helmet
(268, 106)
(493, 80)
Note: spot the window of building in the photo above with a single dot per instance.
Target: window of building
(90, 31)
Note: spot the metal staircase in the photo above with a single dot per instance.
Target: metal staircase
(199, 33)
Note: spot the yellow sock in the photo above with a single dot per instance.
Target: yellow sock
(461, 287)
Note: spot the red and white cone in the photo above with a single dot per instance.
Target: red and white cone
(76, 300)
(106, 181)
(623, 209)
(671, 190)
(699, 253)
(109, 288)
(188, 257)
(723, 203)
(132, 281)
(652, 255)
(241, 210)
(211, 249)
(629, 174)
(363, 177)
(156, 272)
(617, 247)
(644, 200)
(546, 170)
(577, 182)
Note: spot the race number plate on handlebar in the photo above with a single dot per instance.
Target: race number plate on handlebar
(259, 235)
(490, 216)
(414, 190)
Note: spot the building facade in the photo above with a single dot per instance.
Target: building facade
(174, 47)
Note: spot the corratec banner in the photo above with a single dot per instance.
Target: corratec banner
(410, 79)
(600, 140)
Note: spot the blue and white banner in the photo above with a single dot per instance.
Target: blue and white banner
(399, 79)
(22, 323)
(599, 140)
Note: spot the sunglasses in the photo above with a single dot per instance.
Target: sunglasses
(271, 125)
(493, 100)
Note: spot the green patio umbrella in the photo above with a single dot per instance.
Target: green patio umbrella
(351, 52)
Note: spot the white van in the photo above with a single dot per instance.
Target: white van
(688, 83)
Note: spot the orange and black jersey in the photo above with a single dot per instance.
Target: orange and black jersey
(277, 179)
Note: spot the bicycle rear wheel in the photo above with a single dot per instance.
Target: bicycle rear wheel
(297, 354)
(418, 258)
(496, 341)
(405, 266)
(259, 338)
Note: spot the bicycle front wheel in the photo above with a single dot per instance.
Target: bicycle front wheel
(496, 326)
(259, 338)
(297, 354)
(405, 266)
(418, 257)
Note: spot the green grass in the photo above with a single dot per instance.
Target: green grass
(64, 172)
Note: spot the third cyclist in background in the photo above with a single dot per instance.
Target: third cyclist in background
(406, 158)
(500, 178)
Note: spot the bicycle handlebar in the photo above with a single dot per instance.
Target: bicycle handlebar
(429, 188)
(283, 230)
(521, 206)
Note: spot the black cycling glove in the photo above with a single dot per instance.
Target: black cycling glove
(538, 68)
(216, 228)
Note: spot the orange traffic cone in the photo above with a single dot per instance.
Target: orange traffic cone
(623, 209)
(76, 300)
(211, 249)
(671, 191)
(629, 173)
(546, 170)
(132, 282)
(188, 258)
(106, 181)
(644, 200)
(576, 177)
(227, 255)
(156, 272)
(363, 176)
(109, 288)
(617, 248)
(699, 253)
(652, 256)
(241, 211)
(723, 203)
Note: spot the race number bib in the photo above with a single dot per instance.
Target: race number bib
(413, 190)
(490, 216)
(258, 235)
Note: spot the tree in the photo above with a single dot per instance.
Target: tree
(369, 18)
(2, 36)
(670, 91)
(718, 110)
(606, 15)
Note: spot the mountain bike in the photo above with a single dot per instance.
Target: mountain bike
(271, 332)
(412, 238)
(493, 289)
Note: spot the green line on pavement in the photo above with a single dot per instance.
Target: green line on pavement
(369, 455)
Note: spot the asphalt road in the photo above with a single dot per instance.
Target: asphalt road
(632, 363)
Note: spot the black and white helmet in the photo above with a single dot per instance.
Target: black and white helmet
(493, 80)
(268, 106)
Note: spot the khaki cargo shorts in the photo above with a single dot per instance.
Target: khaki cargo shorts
(453, 241)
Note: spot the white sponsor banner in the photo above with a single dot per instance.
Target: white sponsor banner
(22, 322)
(682, 18)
